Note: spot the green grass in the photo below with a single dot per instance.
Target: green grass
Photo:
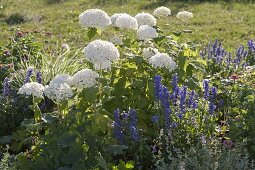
(231, 23)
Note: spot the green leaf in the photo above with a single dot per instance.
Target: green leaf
(6, 139)
(90, 94)
(91, 32)
(117, 149)
(130, 165)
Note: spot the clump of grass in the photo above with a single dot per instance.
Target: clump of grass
(54, 1)
(15, 18)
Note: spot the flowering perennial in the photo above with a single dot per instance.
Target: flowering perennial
(35, 89)
(28, 75)
(84, 78)
(94, 18)
(39, 77)
(146, 32)
(58, 92)
(184, 16)
(6, 87)
(149, 52)
(100, 51)
(60, 79)
(162, 12)
(123, 123)
(115, 16)
(127, 21)
(162, 60)
(145, 19)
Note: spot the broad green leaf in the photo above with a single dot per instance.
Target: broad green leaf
(117, 149)
(91, 32)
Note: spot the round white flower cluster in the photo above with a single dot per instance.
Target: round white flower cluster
(99, 51)
(162, 60)
(35, 89)
(116, 40)
(106, 65)
(149, 52)
(162, 12)
(145, 19)
(184, 16)
(146, 32)
(84, 78)
(94, 18)
(58, 92)
(59, 79)
(115, 16)
(127, 21)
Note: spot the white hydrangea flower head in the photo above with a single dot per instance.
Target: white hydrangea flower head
(145, 19)
(58, 92)
(100, 51)
(184, 16)
(149, 52)
(115, 16)
(162, 12)
(84, 78)
(146, 32)
(33, 88)
(116, 40)
(104, 65)
(162, 60)
(94, 18)
(127, 21)
(59, 79)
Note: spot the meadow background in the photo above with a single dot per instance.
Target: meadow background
(229, 21)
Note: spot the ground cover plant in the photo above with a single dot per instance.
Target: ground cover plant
(131, 94)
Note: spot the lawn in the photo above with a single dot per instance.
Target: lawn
(231, 23)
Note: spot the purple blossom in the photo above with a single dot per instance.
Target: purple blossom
(117, 125)
(206, 89)
(212, 107)
(214, 93)
(164, 99)
(6, 87)
(157, 86)
(175, 89)
(39, 77)
(155, 119)
(28, 75)
(183, 94)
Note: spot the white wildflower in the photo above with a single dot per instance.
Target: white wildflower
(58, 92)
(127, 21)
(162, 12)
(145, 19)
(116, 40)
(65, 47)
(84, 78)
(94, 18)
(115, 16)
(100, 51)
(162, 60)
(104, 65)
(149, 52)
(35, 89)
(60, 79)
(146, 32)
(184, 16)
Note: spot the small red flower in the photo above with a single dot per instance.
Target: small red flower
(234, 77)
(6, 53)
